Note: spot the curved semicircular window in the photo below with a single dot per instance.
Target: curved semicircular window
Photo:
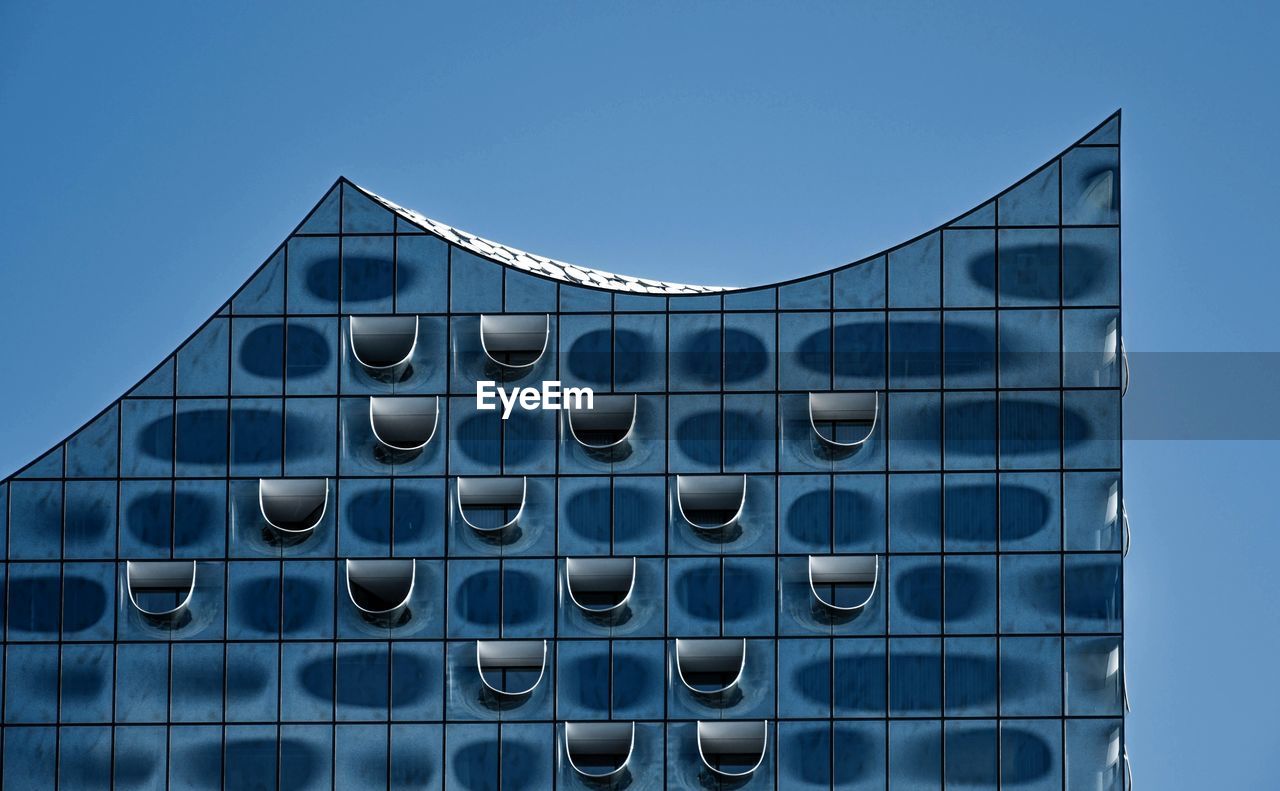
(160, 589)
(599, 750)
(511, 668)
(515, 341)
(710, 667)
(844, 420)
(491, 505)
(844, 583)
(382, 343)
(404, 423)
(607, 424)
(293, 505)
(600, 586)
(380, 587)
(711, 502)
(732, 748)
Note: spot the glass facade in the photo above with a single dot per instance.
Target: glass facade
(860, 530)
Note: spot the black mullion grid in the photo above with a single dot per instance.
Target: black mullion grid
(447, 512)
(888, 515)
(284, 449)
(942, 483)
(666, 535)
(1124, 716)
(333, 729)
(1062, 465)
(62, 576)
(555, 546)
(997, 307)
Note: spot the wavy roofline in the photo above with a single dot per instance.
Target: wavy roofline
(552, 269)
(410, 217)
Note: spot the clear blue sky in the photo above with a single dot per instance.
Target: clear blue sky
(154, 153)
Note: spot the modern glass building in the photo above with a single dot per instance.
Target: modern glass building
(858, 530)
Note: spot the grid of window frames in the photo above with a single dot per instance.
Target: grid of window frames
(912, 583)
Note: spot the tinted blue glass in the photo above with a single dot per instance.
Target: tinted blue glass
(747, 586)
(695, 349)
(33, 601)
(361, 214)
(257, 433)
(528, 598)
(1090, 348)
(1030, 675)
(1091, 429)
(1030, 433)
(416, 757)
(264, 293)
(861, 675)
(859, 755)
(749, 430)
(802, 746)
(87, 683)
(969, 348)
(310, 444)
(472, 757)
(577, 299)
(364, 526)
(1091, 266)
(31, 684)
(89, 519)
(804, 678)
(808, 294)
(1031, 754)
(1095, 680)
(1028, 267)
(1030, 516)
(915, 431)
(969, 511)
(311, 356)
(1034, 201)
(696, 433)
(972, 754)
(638, 504)
(915, 512)
(196, 682)
(755, 299)
(306, 684)
(914, 277)
(368, 273)
(970, 594)
(1095, 750)
(1029, 348)
(586, 347)
(257, 356)
(973, 669)
(201, 437)
(308, 598)
(638, 678)
(92, 452)
(314, 265)
(146, 438)
(305, 752)
(1091, 186)
(749, 339)
(474, 598)
(252, 681)
(861, 285)
(915, 603)
(1092, 510)
(859, 351)
(1094, 593)
(915, 755)
(970, 431)
(475, 284)
(422, 264)
(84, 758)
(202, 361)
(88, 592)
(969, 268)
(639, 352)
(363, 681)
(1030, 593)
(35, 513)
(29, 758)
(253, 588)
(142, 688)
(915, 349)
(693, 597)
(805, 351)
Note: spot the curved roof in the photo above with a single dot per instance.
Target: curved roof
(538, 264)
(1105, 133)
